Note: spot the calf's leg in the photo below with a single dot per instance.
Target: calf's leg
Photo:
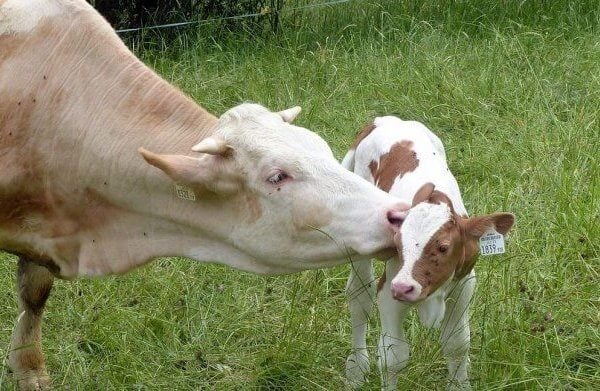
(455, 333)
(361, 296)
(26, 358)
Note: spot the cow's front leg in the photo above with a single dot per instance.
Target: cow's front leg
(361, 297)
(455, 333)
(26, 358)
(393, 348)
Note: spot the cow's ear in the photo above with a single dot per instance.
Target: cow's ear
(209, 172)
(423, 194)
(290, 114)
(180, 168)
(476, 226)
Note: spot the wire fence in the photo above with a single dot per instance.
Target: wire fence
(263, 12)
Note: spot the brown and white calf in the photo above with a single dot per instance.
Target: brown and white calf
(437, 248)
(248, 189)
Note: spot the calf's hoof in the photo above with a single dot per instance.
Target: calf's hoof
(357, 368)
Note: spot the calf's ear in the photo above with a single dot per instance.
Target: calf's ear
(209, 172)
(475, 227)
(502, 222)
(423, 194)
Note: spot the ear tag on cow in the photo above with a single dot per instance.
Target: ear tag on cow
(491, 243)
(185, 193)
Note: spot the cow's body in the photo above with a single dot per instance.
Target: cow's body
(408, 160)
(72, 112)
(77, 199)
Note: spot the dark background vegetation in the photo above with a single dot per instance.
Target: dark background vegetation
(124, 14)
(467, 15)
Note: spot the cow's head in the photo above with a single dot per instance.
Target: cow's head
(301, 208)
(435, 244)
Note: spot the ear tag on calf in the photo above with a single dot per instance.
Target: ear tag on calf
(491, 243)
(185, 193)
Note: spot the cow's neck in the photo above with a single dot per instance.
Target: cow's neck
(148, 218)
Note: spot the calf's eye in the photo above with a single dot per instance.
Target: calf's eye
(443, 248)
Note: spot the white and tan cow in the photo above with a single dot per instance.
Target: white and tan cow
(80, 197)
(437, 248)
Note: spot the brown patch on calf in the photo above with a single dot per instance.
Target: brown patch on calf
(400, 160)
(435, 267)
(360, 136)
(471, 253)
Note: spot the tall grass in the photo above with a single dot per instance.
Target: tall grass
(513, 90)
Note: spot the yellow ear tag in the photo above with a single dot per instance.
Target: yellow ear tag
(185, 193)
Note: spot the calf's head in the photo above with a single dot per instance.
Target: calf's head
(300, 207)
(436, 245)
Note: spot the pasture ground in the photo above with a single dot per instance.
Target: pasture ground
(513, 92)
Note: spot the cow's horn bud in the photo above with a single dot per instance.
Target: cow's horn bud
(290, 114)
(214, 145)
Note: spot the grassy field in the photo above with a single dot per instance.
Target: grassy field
(514, 93)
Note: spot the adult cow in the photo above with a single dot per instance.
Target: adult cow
(77, 199)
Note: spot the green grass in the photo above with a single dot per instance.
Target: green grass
(514, 93)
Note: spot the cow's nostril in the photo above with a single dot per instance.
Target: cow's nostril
(410, 289)
(396, 217)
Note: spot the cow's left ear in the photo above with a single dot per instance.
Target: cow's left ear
(290, 114)
(502, 222)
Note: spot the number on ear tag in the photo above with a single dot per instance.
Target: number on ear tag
(491, 243)
(185, 193)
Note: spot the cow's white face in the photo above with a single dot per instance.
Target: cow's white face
(301, 208)
(435, 244)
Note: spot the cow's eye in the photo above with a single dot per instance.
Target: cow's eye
(443, 248)
(277, 178)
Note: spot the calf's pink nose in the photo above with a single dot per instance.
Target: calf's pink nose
(403, 291)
